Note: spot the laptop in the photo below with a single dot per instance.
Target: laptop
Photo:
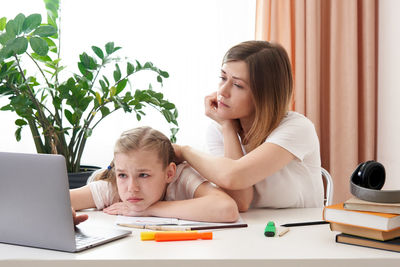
(35, 206)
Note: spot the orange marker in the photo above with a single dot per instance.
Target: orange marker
(151, 235)
(168, 236)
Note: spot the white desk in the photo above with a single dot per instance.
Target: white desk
(301, 246)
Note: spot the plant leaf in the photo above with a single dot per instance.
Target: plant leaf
(85, 72)
(68, 115)
(18, 134)
(39, 46)
(117, 73)
(98, 52)
(88, 132)
(121, 85)
(130, 68)
(109, 48)
(11, 28)
(98, 97)
(41, 58)
(3, 22)
(85, 60)
(105, 111)
(167, 115)
(31, 22)
(19, 45)
(164, 74)
(45, 31)
(52, 46)
(19, 20)
(20, 122)
(168, 106)
(112, 91)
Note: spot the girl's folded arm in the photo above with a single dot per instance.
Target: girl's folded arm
(209, 204)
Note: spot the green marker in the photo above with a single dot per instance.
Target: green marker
(270, 229)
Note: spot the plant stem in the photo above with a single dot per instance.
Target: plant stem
(40, 69)
(41, 118)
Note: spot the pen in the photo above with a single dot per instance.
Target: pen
(304, 223)
(167, 228)
(180, 236)
(138, 226)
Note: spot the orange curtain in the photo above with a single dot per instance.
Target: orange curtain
(333, 48)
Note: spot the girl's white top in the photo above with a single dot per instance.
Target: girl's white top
(182, 187)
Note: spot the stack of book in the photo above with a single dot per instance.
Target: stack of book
(363, 223)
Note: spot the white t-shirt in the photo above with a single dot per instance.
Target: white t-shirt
(182, 187)
(299, 183)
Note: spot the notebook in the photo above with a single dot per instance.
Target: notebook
(35, 206)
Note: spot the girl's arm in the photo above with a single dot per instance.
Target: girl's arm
(237, 174)
(209, 204)
(81, 198)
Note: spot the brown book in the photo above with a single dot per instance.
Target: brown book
(392, 245)
(359, 204)
(365, 232)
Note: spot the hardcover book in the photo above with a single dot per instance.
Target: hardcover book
(365, 232)
(391, 245)
(359, 204)
(374, 220)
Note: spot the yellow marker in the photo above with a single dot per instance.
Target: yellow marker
(151, 235)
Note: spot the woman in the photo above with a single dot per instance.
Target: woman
(263, 155)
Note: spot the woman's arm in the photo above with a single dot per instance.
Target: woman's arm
(81, 198)
(240, 173)
(209, 204)
(233, 150)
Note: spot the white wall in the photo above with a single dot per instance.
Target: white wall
(389, 91)
(186, 38)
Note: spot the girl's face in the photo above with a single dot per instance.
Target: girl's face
(234, 95)
(141, 178)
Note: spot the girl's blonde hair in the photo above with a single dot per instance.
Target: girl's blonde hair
(271, 85)
(145, 138)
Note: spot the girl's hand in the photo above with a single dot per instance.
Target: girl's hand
(78, 219)
(125, 209)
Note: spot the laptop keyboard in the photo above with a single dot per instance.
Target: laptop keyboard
(84, 240)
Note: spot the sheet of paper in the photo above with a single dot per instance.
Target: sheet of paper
(127, 220)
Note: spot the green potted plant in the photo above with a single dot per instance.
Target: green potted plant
(61, 115)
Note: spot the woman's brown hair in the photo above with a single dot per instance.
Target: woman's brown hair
(271, 84)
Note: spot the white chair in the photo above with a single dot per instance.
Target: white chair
(328, 187)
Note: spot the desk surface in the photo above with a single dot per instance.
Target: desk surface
(301, 246)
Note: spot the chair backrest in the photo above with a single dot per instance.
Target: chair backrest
(328, 187)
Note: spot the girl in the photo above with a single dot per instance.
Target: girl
(143, 180)
(263, 154)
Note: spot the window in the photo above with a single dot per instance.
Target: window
(185, 38)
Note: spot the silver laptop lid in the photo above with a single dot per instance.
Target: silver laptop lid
(34, 201)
